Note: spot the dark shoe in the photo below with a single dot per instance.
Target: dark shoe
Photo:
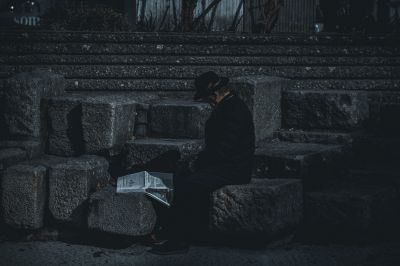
(170, 247)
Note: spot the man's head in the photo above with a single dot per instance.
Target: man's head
(211, 88)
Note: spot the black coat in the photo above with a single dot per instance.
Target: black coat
(229, 141)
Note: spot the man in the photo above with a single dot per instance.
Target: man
(226, 160)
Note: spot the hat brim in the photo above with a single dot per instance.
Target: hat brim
(223, 81)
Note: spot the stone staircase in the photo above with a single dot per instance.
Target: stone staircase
(129, 100)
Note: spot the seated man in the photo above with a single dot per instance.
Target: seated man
(226, 160)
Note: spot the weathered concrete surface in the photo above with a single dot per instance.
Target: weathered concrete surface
(70, 185)
(263, 209)
(54, 253)
(125, 214)
(352, 212)
(333, 110)
(107, 122)
(22, 102)
(90, 124)
(321, 137)
(65, 127)
(262, 95)
(165, 152)
(192, 71)
(11, 156)
(23, 196)
(33, 149)
(178, 119)
(313, 163)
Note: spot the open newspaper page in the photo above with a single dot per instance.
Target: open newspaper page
(159, 186)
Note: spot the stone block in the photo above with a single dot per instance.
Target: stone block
(320, 137)
(332, 110)
(90, 124)
(178, 119)
(350, 211)
(23, 196)
(22, 100)
(10, 156)
(262, 209)
(313, 163)
(262, 94)
(33, 149)
(125, 214)
(70, 185)
(107, 122)
(159, 153)
(65, 126)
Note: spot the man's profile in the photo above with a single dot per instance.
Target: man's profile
(226, 159)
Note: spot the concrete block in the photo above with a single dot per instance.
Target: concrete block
(107, 122)
(33, 149)
(313, 163)
(70, 185)
(23, 196)
(11, 156)
(262, 94)
(126, 214)
(332, 110)
(159, 153)
(351, 211)
(90, 124)
(262, 209)
(65, 126)
(178, 119)
(22, 100)
(320, 137)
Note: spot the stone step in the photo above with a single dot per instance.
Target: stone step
(158, 154)
(89, 124)
(232, 60)
(315, 164)
(126, 84)
(194, 38)
(354, 212)
(192, 71)
(62, 184)
(196, 49)
(325, 110)
(32, 148)
(129, 214)
(263, 209)
(178, 119)
(320, 137)
(186, 119)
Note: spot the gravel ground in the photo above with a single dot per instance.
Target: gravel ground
(60, 253)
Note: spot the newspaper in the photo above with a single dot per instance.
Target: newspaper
(159, 186)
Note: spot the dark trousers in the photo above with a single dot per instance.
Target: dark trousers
(189, 211)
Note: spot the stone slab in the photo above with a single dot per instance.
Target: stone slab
(262, 95)
(178, 119)
(22, 102)
(70, 185)
(125, 214)
(331, 110)
(262, 209)
(23, 196)
(159, 153)
(313, 163)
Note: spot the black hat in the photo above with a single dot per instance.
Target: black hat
(208, 83)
